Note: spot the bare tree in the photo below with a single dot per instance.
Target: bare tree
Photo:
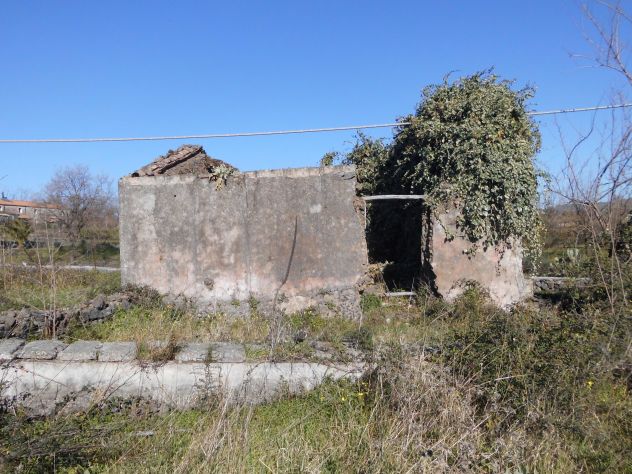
(597, 177)
(609, 24)
(84, 200)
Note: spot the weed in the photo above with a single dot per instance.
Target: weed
(361, 338)
(253, 303)
(369, 302)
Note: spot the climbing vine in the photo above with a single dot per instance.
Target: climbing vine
(470, 145)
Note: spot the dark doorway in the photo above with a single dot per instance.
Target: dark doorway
(394, 233)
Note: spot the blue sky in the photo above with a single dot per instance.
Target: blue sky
(134, 68)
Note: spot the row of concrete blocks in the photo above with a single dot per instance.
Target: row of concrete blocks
(13, 348)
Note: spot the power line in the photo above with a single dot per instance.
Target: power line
(275, 132)
(580, 109)
(209, 135)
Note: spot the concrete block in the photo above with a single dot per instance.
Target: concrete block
(80, 350)
(157, 345)
(8, 348)
(42, 387)
(227, 352)
(117, 351)
(194, 352)
(42, 350)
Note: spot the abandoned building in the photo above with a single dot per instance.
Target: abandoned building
(284, 240)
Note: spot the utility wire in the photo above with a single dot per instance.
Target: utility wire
(580, 109)
(276, 132)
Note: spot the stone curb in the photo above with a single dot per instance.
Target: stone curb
(41, 350)
(82, 351)
(117, 352)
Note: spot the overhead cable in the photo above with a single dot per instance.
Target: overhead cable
(274, 132)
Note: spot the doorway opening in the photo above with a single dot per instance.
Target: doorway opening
(398, 234)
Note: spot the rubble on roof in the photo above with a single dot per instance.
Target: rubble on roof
(188, 159)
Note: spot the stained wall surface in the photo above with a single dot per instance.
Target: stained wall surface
(500, 273)
(290, 237)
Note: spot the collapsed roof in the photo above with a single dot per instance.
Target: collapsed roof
(188, 159)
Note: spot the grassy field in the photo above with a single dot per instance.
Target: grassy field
(460, 387)
(101, 254)
(47, 289)
(526, 391)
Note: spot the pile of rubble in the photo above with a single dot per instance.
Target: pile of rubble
(188, 159)
(29, 322)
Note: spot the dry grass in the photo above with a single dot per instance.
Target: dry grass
(533, 390)
(399, 322)
(409, 416)
(163, 323)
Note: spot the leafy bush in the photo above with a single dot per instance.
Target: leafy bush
(470, 144)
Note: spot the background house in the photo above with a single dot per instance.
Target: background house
(35, 212)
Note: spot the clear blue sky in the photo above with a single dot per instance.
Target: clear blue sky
(133, 68)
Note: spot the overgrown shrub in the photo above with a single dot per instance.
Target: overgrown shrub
(545, 370)
(470, 144)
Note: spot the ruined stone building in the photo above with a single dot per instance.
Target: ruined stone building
(285, 240)
(290, 238)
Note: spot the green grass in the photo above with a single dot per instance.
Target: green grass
(86, 253)
(135, 440)
(394, 322)
(338, 427)
(536, 389)
(45, 289)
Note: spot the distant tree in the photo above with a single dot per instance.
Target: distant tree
(84, 200)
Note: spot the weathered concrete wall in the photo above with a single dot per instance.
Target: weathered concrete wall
(499, 273)
(291, 234)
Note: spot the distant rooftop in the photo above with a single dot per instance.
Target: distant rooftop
(38, 205)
